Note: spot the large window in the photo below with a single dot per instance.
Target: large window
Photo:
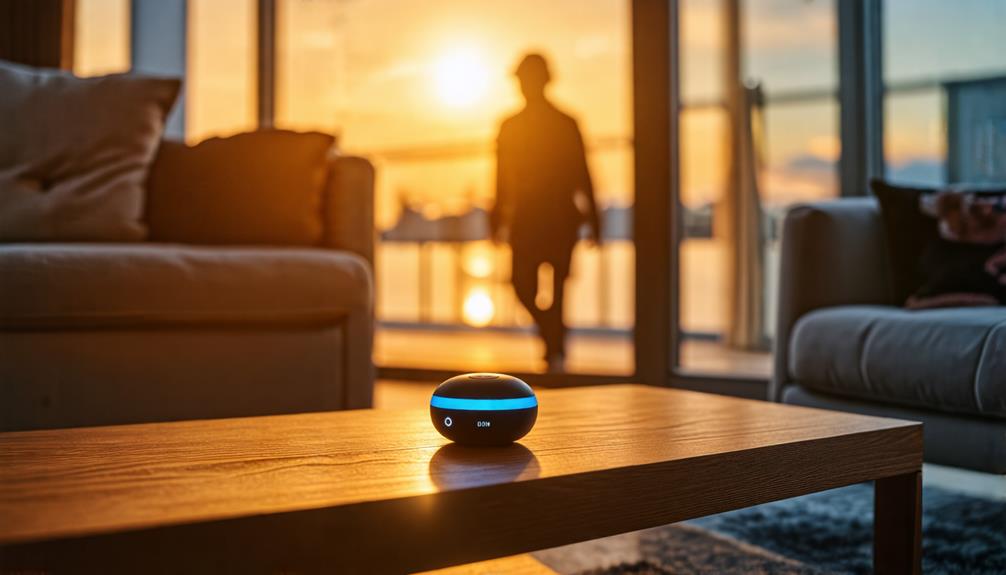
(928, 46)
(420, 88)
(220, 83)
(101, 37)
(220, 77)
(787, 48)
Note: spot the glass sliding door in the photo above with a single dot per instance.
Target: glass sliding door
(101, 37)
(759, 131)
(421, 89)
(933, 50)
(220, 79)
(221, 76)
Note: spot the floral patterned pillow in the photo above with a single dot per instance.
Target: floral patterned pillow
(966, 264)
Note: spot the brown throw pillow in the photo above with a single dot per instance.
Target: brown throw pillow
(255, 188)
(74, 153)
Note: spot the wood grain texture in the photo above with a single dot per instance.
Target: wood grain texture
(378, 490)
(516, 565)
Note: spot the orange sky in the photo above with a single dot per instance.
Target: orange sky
(374, 71)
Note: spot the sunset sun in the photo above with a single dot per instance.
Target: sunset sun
(461, 77)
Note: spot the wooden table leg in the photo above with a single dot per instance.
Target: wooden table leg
(897, 525)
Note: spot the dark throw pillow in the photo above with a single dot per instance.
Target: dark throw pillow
(255, 188)
(74, 153)
(946, 247)
(908, 232)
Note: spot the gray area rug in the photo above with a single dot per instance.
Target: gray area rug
(823, 533)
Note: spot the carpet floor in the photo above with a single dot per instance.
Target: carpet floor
(823, 533)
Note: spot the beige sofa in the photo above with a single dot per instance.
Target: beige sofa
(97, 334)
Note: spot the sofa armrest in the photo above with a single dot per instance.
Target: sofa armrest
(348, 215)
(833, 253)
(348, 206)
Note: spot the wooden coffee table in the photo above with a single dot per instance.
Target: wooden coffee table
(376, 491)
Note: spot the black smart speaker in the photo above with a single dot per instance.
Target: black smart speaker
(483, 409)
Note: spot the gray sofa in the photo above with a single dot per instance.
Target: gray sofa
(842, 343)
(98, 334)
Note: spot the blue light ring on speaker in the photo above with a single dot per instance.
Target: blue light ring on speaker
(494, 404)
(483, 409)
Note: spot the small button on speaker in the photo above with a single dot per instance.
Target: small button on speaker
(483, 409)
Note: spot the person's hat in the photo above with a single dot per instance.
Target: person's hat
(533, 65)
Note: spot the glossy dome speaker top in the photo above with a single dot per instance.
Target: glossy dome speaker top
(483, 409)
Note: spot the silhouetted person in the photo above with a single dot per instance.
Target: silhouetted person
(543, 196)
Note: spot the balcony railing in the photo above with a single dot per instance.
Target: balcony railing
(479, 284)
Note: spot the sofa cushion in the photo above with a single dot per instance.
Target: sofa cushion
(260, 187)
(74, 153)
(123, 285)
(945, 359)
